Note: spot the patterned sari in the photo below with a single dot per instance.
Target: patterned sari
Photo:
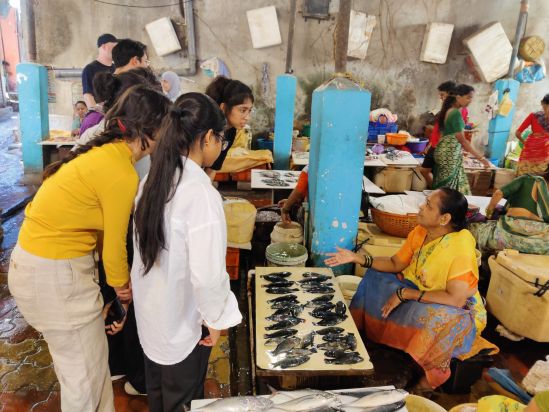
(432, 334)
(519, 233)
(448, 170)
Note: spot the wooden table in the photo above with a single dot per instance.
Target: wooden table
(302, 159)
(53, 150)
(315, 366)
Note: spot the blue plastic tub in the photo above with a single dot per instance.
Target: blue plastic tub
(264, 143)
(417, 147)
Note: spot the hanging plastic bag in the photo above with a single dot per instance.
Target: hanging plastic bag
(506, 105)
(531, 73)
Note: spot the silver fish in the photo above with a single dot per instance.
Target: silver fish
(310, 402)
(380, 398)
(239, 404)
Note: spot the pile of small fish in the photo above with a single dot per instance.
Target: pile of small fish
(291, 350)
(390, 400)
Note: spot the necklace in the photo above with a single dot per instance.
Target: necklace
(420, 250)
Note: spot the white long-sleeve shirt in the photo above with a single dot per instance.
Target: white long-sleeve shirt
(188, 285)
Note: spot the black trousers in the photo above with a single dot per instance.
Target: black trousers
(171, 388)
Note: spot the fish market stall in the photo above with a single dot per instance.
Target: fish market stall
(301, 328)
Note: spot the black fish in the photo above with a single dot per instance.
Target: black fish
(313, 275)
(300, 352)
(280, 274)
(334, 346)
(291, 362)
(350, 358)
(326, 315)
(351, 340)
(273, 278)
(286, 345)
(307, 340)
(277, 317)
(283, 324)
(320, 289)
(285, 298)
(280, 291)
(330, 321)
(319, 279)
(290, 310)
(281, 284)
(338, 353)
(330, 337)
(319, 300)
(307, 286)
(340, 308)
(332, 330)
(283, 333)
(284, 305)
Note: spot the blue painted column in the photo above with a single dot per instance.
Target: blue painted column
(286, 86)
(500, 126)
(32, 87)
(339, 129)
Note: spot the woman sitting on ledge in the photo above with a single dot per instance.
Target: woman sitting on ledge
(424, 300)
(525, 226)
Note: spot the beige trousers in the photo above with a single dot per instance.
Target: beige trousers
(61, 299)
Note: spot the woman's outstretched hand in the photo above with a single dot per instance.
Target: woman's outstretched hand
(342, 257)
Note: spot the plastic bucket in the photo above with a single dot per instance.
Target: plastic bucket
(286, 254)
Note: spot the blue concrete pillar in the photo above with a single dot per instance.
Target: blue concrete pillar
(339, 129)
(286, 86)
(32, 87)
(500, 126)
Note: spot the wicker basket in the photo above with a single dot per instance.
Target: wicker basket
(393, 224)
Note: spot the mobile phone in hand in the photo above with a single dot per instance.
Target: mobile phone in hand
(116, 312)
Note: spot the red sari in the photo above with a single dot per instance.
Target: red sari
(534, 157)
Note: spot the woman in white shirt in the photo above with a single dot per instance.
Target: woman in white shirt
(180, 286)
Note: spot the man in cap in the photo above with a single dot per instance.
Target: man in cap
(103, 63)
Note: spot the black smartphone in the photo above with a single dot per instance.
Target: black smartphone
(116, 312)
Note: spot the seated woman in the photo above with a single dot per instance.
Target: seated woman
(424, 299)
(525, 226)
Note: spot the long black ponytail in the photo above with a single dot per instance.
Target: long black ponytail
(450, 101)
(189, 120)
(137, 114)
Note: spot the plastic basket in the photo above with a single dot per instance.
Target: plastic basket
(393, 224)
(396, 139)
(375, 128)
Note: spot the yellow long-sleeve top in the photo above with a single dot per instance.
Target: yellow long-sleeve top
(90, 194)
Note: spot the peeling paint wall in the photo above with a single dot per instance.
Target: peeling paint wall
(392, 70)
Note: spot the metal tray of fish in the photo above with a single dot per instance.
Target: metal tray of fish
(303, 324)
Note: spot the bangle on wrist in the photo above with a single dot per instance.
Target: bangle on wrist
(420, 296)
(368, 260)
(400, 295)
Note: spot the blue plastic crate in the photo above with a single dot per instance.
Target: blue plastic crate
(376, 128)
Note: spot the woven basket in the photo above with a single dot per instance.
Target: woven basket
(393, 224)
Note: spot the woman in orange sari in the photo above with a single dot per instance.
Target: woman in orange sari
(534, 157)
(424, 300)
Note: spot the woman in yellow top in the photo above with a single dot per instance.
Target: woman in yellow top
(52, 270)
(424, 299)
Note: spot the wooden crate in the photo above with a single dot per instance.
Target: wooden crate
(232, 262)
